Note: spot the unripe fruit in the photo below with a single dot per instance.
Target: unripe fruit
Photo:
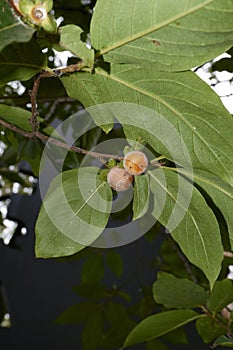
(135, 162)
(119, 179)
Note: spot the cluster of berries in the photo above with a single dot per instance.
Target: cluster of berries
(135, 163)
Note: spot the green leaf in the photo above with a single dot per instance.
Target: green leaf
(170, 35)
(91, 290)
(21, 62)
(77, 313)
(190, 221)
(71, 40)
(11, 28)
(93, 269)
(16, 116)
(221, 296)
(114, 262)
(92, 331)
(220, 192)
(175, 292)
(141, 196)
(74, 213)
(159, 324)
(31, 152)
(208, 329)
(174, 100)
(223, 341)
(119, 325)
(178, 336)
(155, 344)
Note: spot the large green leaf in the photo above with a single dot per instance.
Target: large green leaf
(74, 213)
(159, 324)
(190, 221)
(11, 28)
(175, 292)
(21, 62)
(182, 99)
(220, 192)
(172, 35)
(71, 40)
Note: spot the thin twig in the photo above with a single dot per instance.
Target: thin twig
(58, 143)
(54, 106)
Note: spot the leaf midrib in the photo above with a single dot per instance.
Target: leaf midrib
(186, 210)
(152, 29)
(201, 179)
(159, 99)
(10, 26)
(18, 64)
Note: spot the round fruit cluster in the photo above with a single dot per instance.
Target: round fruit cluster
(135, 163)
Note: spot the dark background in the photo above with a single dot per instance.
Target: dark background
(38, 290)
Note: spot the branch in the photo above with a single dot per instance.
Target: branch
(33, 93)
(47, 139)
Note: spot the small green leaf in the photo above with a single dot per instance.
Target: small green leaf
(11, 28)
(119, 322)
(21, 62)
(141, 196)
(208, 329)
(221, 295)
(16, 116)
(159, 324)
(71, 40)
(77, 313)
(223, 341)
(91, 290)
(93, 268)
(155, 344)
(31, 152)
(75, 211)
(175, 292)
(114, 262)
(92, 331)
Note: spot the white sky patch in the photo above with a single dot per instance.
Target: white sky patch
(223, 87)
